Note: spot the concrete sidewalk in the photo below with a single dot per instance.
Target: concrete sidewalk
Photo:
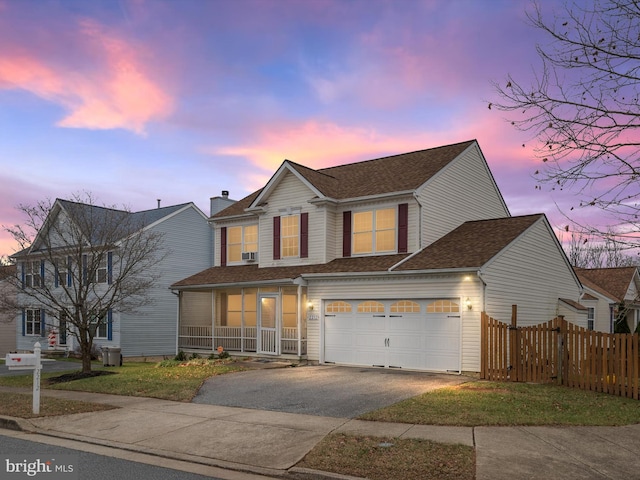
(272, 443)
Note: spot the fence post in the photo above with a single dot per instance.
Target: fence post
(514, 350)
(562, 335)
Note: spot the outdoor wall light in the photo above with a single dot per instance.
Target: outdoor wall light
(468, 303)
(309, 306)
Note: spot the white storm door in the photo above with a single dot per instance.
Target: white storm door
(268, 325)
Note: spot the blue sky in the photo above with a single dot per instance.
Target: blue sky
(139, 100)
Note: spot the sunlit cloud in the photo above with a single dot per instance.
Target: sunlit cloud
(117, 92)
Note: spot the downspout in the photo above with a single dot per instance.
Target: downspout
(420, 208)
(484, 291)
(179, 295)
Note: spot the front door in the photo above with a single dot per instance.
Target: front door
(268, 325)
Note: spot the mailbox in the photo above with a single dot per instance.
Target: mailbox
(21, 361)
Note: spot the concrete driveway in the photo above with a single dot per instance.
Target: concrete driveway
(330, 391)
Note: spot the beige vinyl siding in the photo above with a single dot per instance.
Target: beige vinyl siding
(531, 273)
(456, 287)
(602, 321)
(462, 191)
(291, 193)
(413, 226)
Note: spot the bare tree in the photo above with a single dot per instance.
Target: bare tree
(80, 263)
(597, 251)
(582, 106)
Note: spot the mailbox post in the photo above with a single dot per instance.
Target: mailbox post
(28, 361)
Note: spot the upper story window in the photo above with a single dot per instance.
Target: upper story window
(241, 239)
(290, 235)
(374, 231)
(33, 276)
(101, 270)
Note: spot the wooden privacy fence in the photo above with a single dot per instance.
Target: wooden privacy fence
(560, 352)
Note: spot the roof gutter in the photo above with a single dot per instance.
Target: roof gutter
(292, 281)
(433, 271)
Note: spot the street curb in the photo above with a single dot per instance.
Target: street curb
(17, 424)
(311, 474)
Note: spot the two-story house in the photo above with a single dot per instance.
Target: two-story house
(387, 262)
(53, 269)
(611, 294)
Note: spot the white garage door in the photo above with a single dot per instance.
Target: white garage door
(414, 334)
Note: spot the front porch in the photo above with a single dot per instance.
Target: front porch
(269, 321)
(242, 340)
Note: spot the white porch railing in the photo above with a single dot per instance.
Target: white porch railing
(232, 339)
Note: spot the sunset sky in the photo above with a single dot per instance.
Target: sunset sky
(139, 100)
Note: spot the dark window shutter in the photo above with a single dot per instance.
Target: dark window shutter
(56, 275)
(109, 325)
(85, 273)
(69, 272)
(346, 234)
(304, 235)
(23, 267)
(24, 322)
(43, 323)
(223, 247)
(403, 227)
(109, 267)
(276, 238)
(42, 273)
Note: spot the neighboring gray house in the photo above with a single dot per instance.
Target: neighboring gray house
(387, 262)
(187, 241)
(7, 321)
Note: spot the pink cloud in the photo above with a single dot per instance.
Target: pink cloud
(116, 92)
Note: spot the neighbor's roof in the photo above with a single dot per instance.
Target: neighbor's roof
(470, 246)
(397, 173)
(612, 282)
(7, 271)
(141, 219)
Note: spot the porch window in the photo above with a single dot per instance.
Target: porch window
(241, 239)
(374, 231)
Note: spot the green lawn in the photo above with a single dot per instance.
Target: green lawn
(491, 403)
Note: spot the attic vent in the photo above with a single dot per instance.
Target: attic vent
(249, 256)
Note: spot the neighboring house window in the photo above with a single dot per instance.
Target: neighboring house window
(241, 239)
(101, 327)
(33, 322)
(290, 235)
(63, 272)
(62, 329)
(374, 231)
(33, 275)
(101, 271)
(590, 317)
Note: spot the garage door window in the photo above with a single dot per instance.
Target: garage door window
(338, 307)
(370, 307)
(443, 306)
(405, 306)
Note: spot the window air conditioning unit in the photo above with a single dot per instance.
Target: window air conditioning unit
(249, 256)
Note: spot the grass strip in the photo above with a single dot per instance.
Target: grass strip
(378, 458)
(21, 405)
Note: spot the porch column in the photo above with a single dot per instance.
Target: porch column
(301, 311)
